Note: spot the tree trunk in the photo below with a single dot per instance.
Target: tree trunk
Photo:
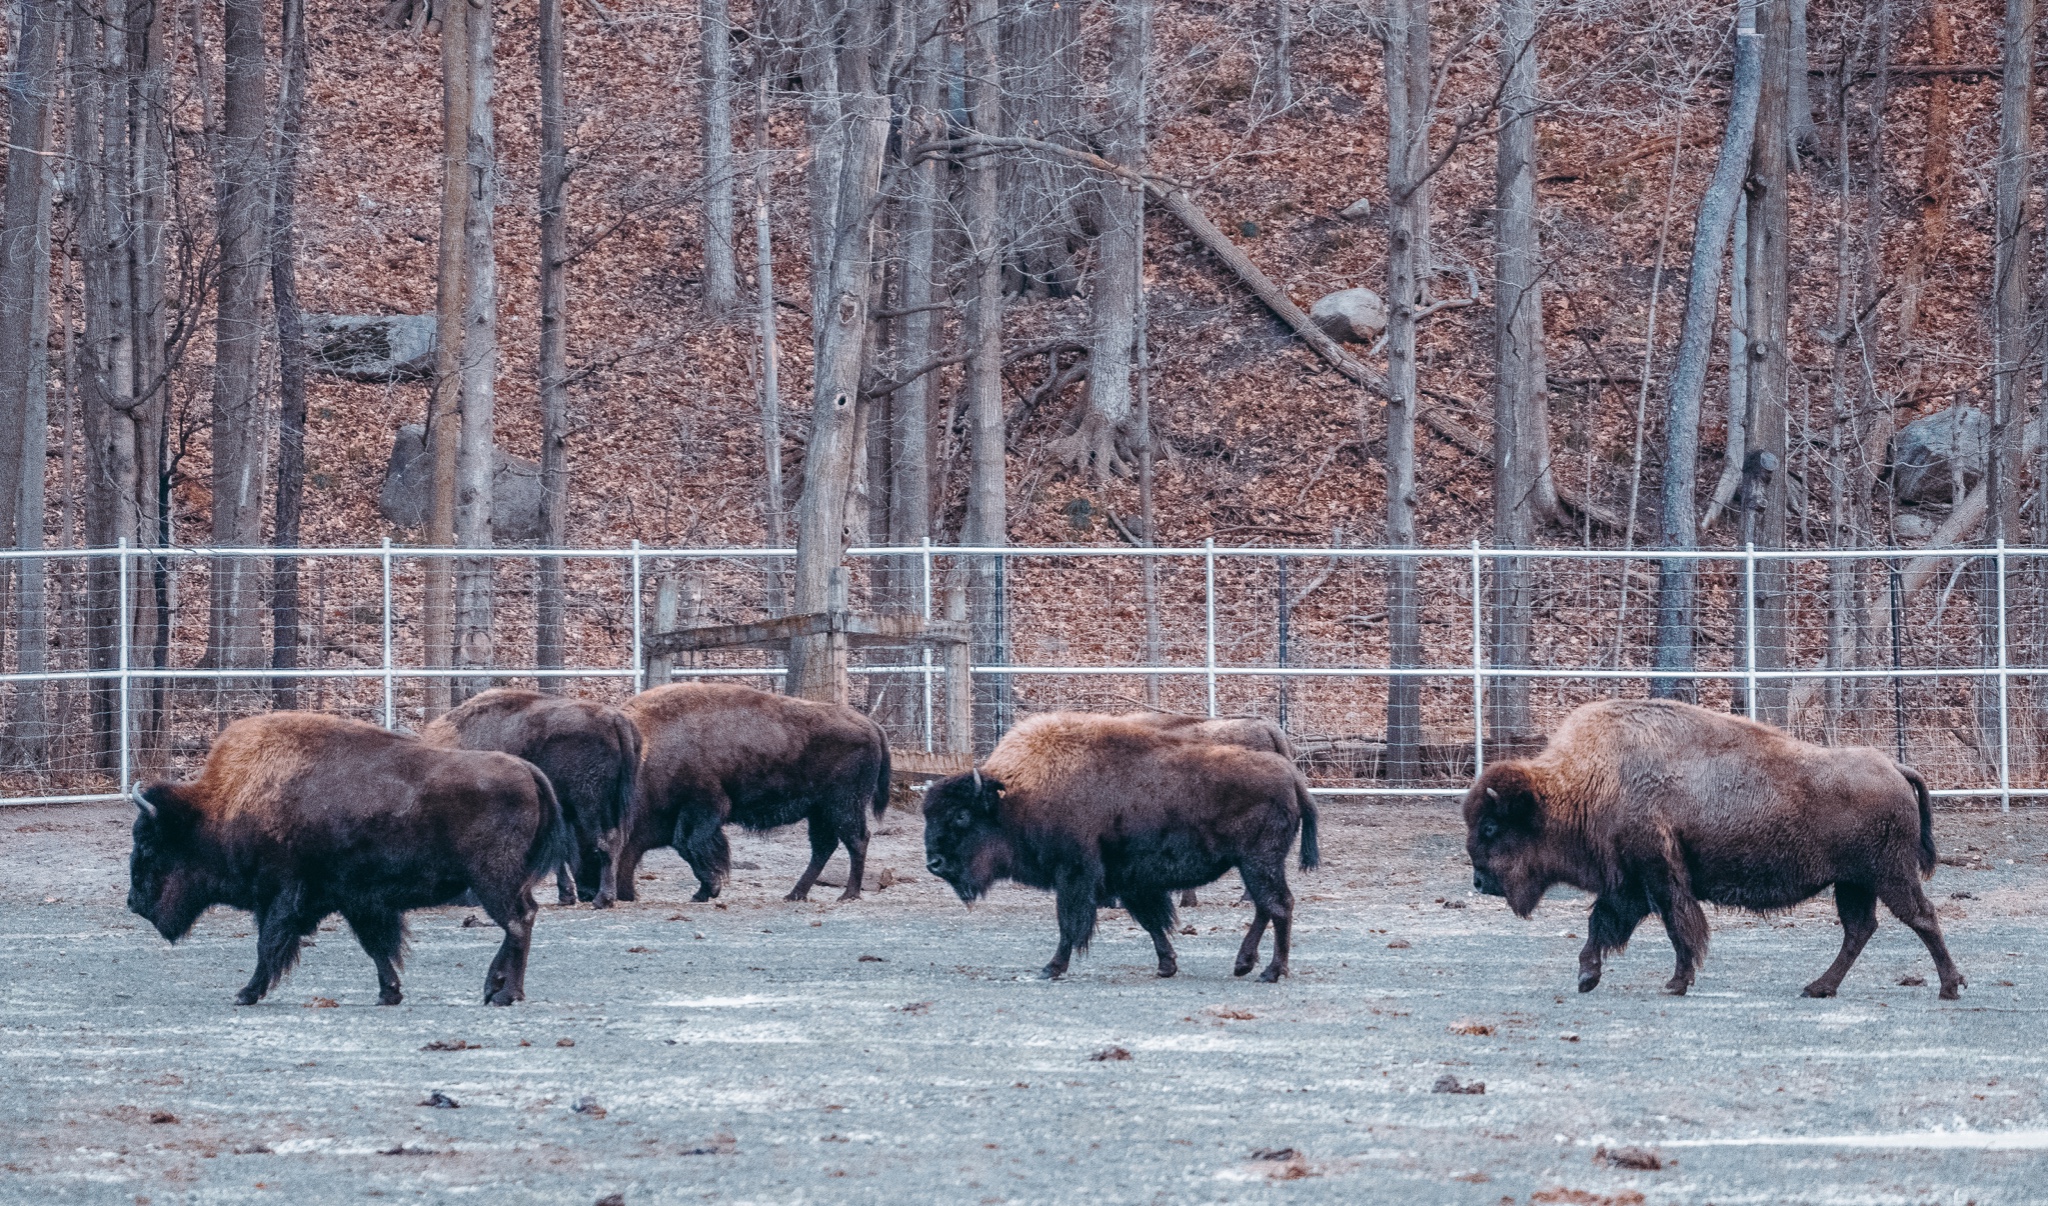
(721, 278)
(774, 501)
(475, 448)
(444, 416)
(291, 353)
(1695, 346)
(242, 174)
(2011, 350)
(1770, 356)
(986, 524)
(1039, 57)
(1805, 135)
(1408, 267)
(853, 119)
(1935, 173)
(554, 368)
(1106, 431)
(24, 357)
(1524, 496)
(1283, 54)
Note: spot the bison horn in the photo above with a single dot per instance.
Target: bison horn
(142, 802)
(1493, 795)
(977, 780)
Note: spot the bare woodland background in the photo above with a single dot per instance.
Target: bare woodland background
(821, 273)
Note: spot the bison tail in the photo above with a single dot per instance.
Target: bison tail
(552, 843)
(627, 783)
(1926, 818)
(1311, 853)
(881, 803)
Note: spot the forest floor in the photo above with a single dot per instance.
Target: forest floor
(899, 1049)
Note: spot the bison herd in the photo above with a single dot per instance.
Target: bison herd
(1651, 806)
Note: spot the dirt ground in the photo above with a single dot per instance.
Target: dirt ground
(899, 1049)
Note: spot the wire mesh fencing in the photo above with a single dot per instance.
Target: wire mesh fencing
(122, 664)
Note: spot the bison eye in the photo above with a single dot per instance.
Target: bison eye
(1489, 829)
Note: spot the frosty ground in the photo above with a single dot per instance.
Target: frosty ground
(898, 1049)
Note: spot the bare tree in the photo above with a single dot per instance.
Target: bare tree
(1408, 269)
(32, 84)
(475, 457)
(1108, 421)
(849, 125)
(444, 415)
(1524, 495)
(774, 501)
(1770, 377)
(986, 524)
(721, 277)
(1718, 204)
(242, 175)
(286, 138)
(554, 368)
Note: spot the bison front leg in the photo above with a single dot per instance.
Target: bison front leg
(1076, 894)
(1856, 905)
(700, 839)
(1909, 904)
(279, 927)
(1154, 911)
(1613, 921)
(565, 884)
(611, 849)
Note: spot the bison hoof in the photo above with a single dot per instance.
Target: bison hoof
(1951, 992)
(1817, 989)
(1272, 974)
(603, 902)
(1676, 987)
(1051, 972)
(1243, 967)
(505, 996)
(1589, 980)
(390, 996)
(248, 996)
(1168, 968)
(849, 894)
(702, 895)
(796, 894)
(565, 898)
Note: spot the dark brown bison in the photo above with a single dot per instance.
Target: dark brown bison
(589, 752)
(1655, 806)
(718, 753)
(298, 815)
(1251, 732)
(1097, 806)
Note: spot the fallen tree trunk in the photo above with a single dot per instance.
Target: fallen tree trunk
(1184, 210)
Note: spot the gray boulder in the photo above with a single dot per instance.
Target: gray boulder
(1357, 211)
(378, 348)
(1938, 458)
(409, 490)
(1350, 315)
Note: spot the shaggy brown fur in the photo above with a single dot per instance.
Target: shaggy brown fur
(718, 753)
(1251, 732)
(1654, 806)
(298, 815)
(1094, 807)
(589, 752)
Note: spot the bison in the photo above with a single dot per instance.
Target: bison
(1096, 806)
(1251, 732)
(717, 753)
(589, 752)
(1655, 806)
(298, 815)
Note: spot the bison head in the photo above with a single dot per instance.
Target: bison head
(964, 843)
(1503, 836)
(163, 874)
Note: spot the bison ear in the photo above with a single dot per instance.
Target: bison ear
(1512, 802)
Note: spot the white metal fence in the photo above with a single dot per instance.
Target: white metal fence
(1954, 680)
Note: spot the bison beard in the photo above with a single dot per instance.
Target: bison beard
(298, 816)
(717, 754)
(1654, 806)
(590, 754)
(1095, 808)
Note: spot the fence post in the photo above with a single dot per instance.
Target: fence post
(1749, 625)
(125, 619)
(639, 661)
(924, 552)
(2004, 719)
(390, 700)
(1478, 676)
(1209, 621)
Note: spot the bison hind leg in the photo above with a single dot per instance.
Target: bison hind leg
(700, 839)
(1904, 897)
(505, 982)
(1153, 909)
(1856, 905)
(382, 933)
(1268, 889)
